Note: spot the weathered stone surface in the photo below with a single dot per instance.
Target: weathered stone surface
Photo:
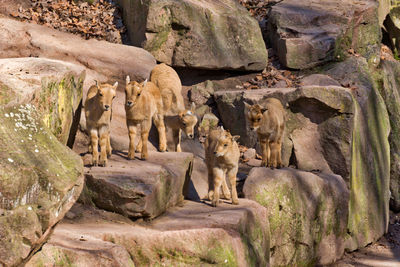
(197, 34)
(193, 235)
(103, 60)
(319, 119)
(40, 179)
(307, 214)
(308, 33)
(370, 151)
(390, 92)
(319, 79)
(54, 87)
(139, 188)
(353, 128)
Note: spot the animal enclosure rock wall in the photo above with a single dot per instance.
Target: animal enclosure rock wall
(40, 179)
(200, 34)
(346, 131)
(308, 33)
(53, 87)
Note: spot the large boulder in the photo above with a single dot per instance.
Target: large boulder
(193, 235)
(307, 33)
(391, 94)
(102, 60)
(40, 179)
(197, 34)
(54, 87)
(139, 189)
(307, 214)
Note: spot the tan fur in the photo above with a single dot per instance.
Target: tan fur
(98, 110)
(176, 116)
(222, 159)
(143, 104)
(269, 122)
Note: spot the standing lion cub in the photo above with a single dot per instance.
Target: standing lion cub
(222, 159)
(269, 122)
(98, 118)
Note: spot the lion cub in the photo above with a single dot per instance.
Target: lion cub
(222, 159)
(269, 122)
(98, 118)
(143, 104)
(176, 116)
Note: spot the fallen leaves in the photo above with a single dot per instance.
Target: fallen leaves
(258, 8)
(101, 19)
(272, 77)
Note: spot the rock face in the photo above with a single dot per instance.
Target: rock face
(54, 87)
(307, 214)
(308, 33)
(40, 179)
(102, 60)
(391, 94)
(346, 131)
(193, 235)
(197, 34)
(138, 189)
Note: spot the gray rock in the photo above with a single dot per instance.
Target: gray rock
(203, 35)
(307, 33)
(249, 154)
(307, 214)
(139, 189)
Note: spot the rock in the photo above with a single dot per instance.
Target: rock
(307, 214)
(199, 35)
(308, 33)
(201, 93)
(193, 235)
(370, 152)
(319, 80)
(54, 87)
(383, 10)
(139, 189)
(103, 60)
(391, 94)
(249, 154)
(353, 129)
(318, 119)
(40, 179)
(254, 162)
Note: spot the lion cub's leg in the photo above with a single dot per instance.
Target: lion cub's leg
(265, 151)
(280, 165)
(109, 148)
(159, 122)
(210, 183)
(94, 140)
(103, 147)
(225, 190)
(232, 179)
(274, 161)
(132, 128)
(146, 125)
(177, 139)
(218, 176)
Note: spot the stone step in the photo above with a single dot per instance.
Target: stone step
(136, 188)
(192, 235)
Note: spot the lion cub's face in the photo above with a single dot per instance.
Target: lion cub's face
(133, 91)
(224, 143)
(254, 115)
(188, 121)
(106, 93)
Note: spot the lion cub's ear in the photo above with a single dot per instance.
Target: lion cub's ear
(128, 79)
(247, 105)
(235, 138)
(115, 85)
